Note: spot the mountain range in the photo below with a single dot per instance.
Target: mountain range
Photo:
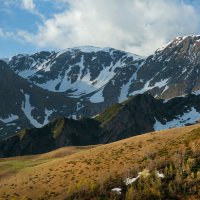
(83, 81)
(140, 114)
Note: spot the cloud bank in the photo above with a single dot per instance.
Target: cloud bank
(138, 26)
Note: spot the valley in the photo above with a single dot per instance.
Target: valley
(89, 173)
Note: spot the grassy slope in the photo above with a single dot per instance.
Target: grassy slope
(109, 113)
(61, 173)
(10, 166)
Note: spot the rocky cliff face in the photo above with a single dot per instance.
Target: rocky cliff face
(171, 71)
(141, 114)
(59, 133)
(26, 105)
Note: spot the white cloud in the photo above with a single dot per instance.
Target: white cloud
(6, 34)
(138, 26)
(28, 5)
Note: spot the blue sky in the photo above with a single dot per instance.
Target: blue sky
(27, 26)
(15, 17)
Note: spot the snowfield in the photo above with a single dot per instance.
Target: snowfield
(189, 117)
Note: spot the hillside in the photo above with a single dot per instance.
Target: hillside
(24, 105)
(138, 115)
(168, 161)
(59, 133)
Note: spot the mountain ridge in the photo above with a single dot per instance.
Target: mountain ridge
(141, 114)
(92, 78)
(144, 77)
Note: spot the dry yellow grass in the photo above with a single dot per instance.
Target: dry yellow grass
(57, 174)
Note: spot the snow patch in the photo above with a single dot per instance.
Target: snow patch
(48, 113)
(10, 118)
(27, 109)
(79, 106)
(125, 87)
(190, 117)
(145, 173)
(117, 190)
(73, 116)
(146, 87)
(97, 97)
(129, 181)
(90, 49)
(26, 73)
(184, 70)
(160, 175)
(197, 92)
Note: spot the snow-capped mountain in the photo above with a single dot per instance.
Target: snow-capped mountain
(26, 105)
(84, 81)
(81, 71)
(109, 75)
(172, 71)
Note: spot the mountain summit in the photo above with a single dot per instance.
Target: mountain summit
(94, 72)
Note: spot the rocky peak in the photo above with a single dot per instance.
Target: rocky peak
(172, 71)
(184, 47)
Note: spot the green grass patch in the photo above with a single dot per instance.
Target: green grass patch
(109, 113)
(17, 165)
(21, 134)
(58, 127)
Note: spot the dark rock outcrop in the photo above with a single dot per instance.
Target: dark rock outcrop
(140, 114)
